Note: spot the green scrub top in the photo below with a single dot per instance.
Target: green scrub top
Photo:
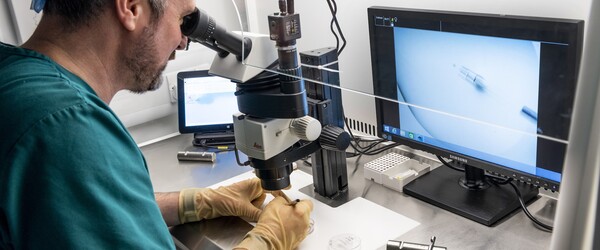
(71, 176)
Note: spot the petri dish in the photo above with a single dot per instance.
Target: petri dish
(345, 241)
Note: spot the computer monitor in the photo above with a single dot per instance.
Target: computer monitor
(205, 105)
(493, 93)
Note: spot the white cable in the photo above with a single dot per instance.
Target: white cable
(323, 67)
(421, 107)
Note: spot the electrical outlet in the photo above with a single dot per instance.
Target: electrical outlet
(171, 80)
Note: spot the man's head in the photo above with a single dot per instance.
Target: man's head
(149, 33)
(82, 12)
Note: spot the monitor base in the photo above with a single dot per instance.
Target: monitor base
(213, 139)
(547, 213)
(441, 187)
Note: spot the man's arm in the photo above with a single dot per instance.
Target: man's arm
(169, 207)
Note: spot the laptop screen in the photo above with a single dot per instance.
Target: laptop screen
(205, 103)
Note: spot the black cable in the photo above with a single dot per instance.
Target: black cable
(372, 144)
(374, 151)
(526, 211)
(360, 139)
(352, 154)
(503, 181)
(224, 147)
(357, 142)
(339, 29)
(355, 145)
(350, 130)
(305, 160)
(372, 147)
(331, 25)
(337, 39)
(366, 150)
(237, 158)
(384, 148)
(356, 165)
(333, 8)
(447, 164)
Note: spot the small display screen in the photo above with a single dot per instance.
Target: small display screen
(209, 100)
(206, 103)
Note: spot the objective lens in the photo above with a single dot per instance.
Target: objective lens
(275, 178)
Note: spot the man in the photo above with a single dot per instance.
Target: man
(71, 176)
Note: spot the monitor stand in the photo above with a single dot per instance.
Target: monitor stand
(469, 194)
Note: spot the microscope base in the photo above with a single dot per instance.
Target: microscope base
(339, 200)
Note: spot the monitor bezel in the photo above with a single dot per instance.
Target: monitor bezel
(211, 128)
(553, 28)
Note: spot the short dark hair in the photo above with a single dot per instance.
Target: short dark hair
(81, 12)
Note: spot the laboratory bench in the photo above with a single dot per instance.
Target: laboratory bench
(515, 231)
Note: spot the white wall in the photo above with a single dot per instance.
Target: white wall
(7, 33)
(355, 61)
(24, 20)
(577, 214)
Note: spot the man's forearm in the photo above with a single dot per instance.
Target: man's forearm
(169, 207)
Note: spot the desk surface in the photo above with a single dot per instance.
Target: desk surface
(452, 231)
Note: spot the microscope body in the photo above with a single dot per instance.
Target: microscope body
(273, 128)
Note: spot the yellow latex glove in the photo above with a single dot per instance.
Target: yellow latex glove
(281, 226)
(242, 199)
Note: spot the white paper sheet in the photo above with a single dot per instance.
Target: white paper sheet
(370, 222)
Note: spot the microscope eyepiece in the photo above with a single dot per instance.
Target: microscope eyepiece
(201, 28)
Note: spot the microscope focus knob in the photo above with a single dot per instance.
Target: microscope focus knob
(334, 138)
(306, 128)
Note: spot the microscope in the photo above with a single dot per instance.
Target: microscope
(278, 123)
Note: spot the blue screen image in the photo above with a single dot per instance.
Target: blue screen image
(209, 101)
(479, 94)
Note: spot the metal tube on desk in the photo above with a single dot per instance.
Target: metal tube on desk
(403, 245)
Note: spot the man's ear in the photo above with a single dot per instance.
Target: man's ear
(129, 13)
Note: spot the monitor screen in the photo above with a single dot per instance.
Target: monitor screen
(488, 91)
(205, 103)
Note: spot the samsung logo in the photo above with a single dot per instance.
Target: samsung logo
(456, 158)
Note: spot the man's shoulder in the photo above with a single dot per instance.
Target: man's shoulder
(17, 62)
(33, 84)
(33, 89)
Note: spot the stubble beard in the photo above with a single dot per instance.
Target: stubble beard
(144, 65)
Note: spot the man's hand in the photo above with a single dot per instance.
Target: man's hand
(242, 199)
(282, 225)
